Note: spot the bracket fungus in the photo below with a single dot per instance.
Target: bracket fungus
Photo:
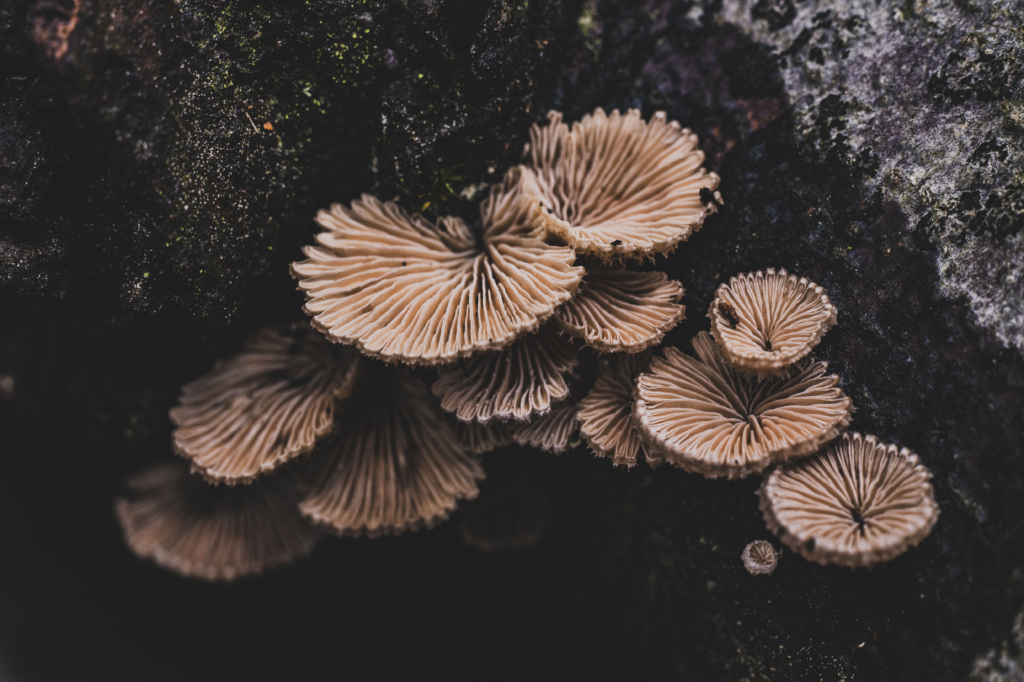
(554, 432)
(857, 503)
(620, 310)
(760, 558)
(401, 288)
(394, 465)
(710, 418)
(765, 321)
(616, 186)
(212, 532)
(606, 413)
(263, 406)
(517, 383)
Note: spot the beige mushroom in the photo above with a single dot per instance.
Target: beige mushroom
(707, 417)
(516, 383)
(401, 288)
(480, 438)
(760, 558)
(606, 413)
(212, 532)
(857, 503)
(766, 321)
(553, 432)
(394, 464)
(619, 310)
(264, 406)
(615, 186)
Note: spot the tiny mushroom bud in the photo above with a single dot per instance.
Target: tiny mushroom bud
(619, 310)
(766, 321)
(857, 503)
(760, 558)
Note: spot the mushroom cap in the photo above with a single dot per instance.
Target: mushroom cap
(553, 432)
(403, 289)
(606, 413)
(480, 438)
(212, 532)
(615, 186)
(857, 503)
(511, 518)
(766, 321)
(518, 382)
(393, 465)
(264, 406)
(760, 558)
(619, 310)
(710, 418)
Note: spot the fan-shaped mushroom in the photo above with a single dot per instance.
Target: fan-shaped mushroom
(709, 418)
(766, 321)
(516, 383)
(606, 413)
(393, 465)
(212, 532)
(856, 503)
(479, 438)
(553, 432)
(401, 288)
(263, 406)
(617, 186)
(619, 310)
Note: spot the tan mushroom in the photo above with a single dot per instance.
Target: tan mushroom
(212, 532)
(766, 321)
(517, 383)
(394, 464)
(707, 417)
(263, 406)
(619, 310)
(760, 558)
(606, 413)
(617, 186)
(553, 432)
(480, 438)
(401, 288)
(857, 503)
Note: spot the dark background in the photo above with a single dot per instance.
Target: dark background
(148, 214)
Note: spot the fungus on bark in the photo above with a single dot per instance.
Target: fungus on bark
(401, 288)
(606, 413)
(616, 186)
(518, 382)
(760, 558)
(710, 418)
(264, 406)
(554, 432)
(619, 310)
(766, 321)
(394, 464)
(857, 503)
(212, 532)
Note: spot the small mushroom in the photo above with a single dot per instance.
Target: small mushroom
(518, 382)
(401, 288)
(212, 532)
(480, 438)
(264, 406)
(760, 558)
(710, 418)
(766, 321)
(615, 186)
(857, 503)
(554, 432)
(393, 465)
(606, 413)
(619, 310)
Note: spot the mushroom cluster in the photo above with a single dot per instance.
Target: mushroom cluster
(312, 428)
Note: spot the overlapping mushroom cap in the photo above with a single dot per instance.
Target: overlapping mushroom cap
(615, 186)
(606, 413)
(401, 288)
(857, 503)
(394, 464)
(554, 432)
(766, 321)
(212, 532)
(709, 418)
(263, 406)
(620, 310)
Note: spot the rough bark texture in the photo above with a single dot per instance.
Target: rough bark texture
(160, 164)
